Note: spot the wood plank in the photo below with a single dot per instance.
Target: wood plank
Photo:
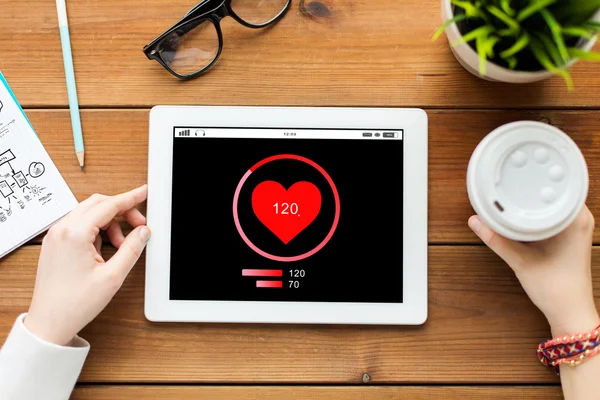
(321, 393)
(359, 53)
(453, 136)
(482, 329)
(117, 147)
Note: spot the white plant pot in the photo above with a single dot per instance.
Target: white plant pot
(469, 59)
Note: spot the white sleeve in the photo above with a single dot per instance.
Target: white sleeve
(32, 369)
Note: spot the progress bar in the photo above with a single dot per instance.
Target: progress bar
(262, 272)
(269, 284)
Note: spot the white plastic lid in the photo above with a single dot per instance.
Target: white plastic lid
(527, 180)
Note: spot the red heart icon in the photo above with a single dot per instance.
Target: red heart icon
(286, 213)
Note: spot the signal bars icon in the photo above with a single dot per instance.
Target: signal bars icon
(185, 133)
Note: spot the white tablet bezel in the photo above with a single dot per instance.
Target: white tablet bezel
(413, 311)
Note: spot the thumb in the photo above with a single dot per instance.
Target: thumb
(510, 251)
(130, 251)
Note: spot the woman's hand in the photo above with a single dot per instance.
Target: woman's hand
(74, 283)
(555, 273)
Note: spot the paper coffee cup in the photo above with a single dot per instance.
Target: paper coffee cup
(527, 181)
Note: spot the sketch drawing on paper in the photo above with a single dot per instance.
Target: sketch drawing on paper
(36, 169)
(17, 188)
(6, 128)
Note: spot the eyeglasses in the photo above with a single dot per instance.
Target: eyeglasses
(194, 44)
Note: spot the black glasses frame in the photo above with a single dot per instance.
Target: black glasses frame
(207, 10)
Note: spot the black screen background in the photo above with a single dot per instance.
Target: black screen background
(361, 263)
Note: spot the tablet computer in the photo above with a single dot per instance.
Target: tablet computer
(287, 215)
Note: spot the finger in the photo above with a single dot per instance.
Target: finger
(584, 222)
(98, 246)
(509, 250)
(102, 213)
(591, 221)
(115, 233)
(580, 232)
(134, 217)
(88, 203)
(130, 251)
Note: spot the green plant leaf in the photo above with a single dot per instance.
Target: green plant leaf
(513, 25)
(470, 9)
(507, 33)
(593, 23)
(535, 7)
(512, 62)
(575, 12)
(474, 34)
(593, 26)
(519, 45)
(556, 30)
(551, 48)
(446, 24)
(505, 5)
(574, 52)
(541, 55)
(538, 51)
(489, 44)
(577, 32)
(481, 51)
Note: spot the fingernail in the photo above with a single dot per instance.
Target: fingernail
(145, 233)
(475, 224)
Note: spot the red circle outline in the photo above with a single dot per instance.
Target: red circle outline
(336, 218)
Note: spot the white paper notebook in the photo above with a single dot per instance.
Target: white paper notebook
(33, 194)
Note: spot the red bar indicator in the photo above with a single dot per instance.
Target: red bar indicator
(269, 284)
(262, 272)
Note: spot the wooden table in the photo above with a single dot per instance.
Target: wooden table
(482, 331)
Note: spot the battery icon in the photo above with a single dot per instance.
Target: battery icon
(367, 134)
(390, 134)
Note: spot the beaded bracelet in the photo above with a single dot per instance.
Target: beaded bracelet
(569, 350)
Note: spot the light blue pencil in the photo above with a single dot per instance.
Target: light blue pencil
(65, 39)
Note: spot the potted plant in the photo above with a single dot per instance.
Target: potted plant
(521, 41)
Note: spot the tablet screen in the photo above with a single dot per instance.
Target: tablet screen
(292, 215)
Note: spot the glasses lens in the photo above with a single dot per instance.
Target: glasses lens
(258, 12)
(190, 48)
